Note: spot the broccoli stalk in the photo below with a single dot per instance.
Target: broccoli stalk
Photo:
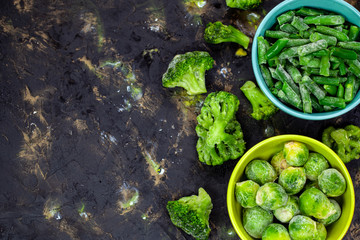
(220, 134)
(243, 4)
(188, 71)
(191, 214)
(217, 32)
(262, 107)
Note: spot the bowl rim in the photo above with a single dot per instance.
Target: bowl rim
(286, 137)
(259, 78)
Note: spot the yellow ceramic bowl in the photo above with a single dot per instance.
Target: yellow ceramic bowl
(265, 150)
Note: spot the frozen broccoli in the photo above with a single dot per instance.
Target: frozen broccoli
(255, 220)
(191, 214)
(293, 179)
(334, 217)
(332, 182)
(287, 212)
(276, 231)
(313, 202)
(262, 107)
(302, 228)
(260, 171)
(296, 153)
(218, 32)
(315, 165)
(220, 134)
(321, 232)
(271, 196)
(245, 193)
(243, 4)
(344, 141)
(188, 71)
(279, 163)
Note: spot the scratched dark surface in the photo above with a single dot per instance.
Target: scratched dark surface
(91, 145)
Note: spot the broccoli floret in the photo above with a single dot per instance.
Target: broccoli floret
(344, 141)
(191, 214)
(220, 134)
(218, 32)
(262, 107)
(243, 4)
(188, 71)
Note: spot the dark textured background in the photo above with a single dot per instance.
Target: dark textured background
(85, 125)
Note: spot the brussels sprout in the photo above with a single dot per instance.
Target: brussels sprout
(302, 228)
(287, 212)
(334, 217)
(245, 193)
(321, 231)
(332, 182)
(279, 162)
(255, 220)
(313, 202)
(314, 166)
(293, 179)
(260, 171)
(271, 196)
(296, 153)
(276, 231)
(311, 184)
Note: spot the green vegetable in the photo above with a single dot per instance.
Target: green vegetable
(302, 228)
(279, 163)
(315, 165)
(271, 196)
(286, 213)
(260, 171)
(188, 71)
(220, 134)
(296, 153)
(276, 48)
(321, 231)
(191, 214)
(293, 179)
(276, 231)
(262, 107)
(245, 193)
(334, 217)
(218, 32)
(332, 182)
(243, 4)
(325, 20)
(256, 220)
(313, 202)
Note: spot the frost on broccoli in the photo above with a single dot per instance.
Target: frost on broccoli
(262, 107)
(188, 71)
(220, 134)
(191, 214)
(243, 4)
(218, 32)
(344, 141)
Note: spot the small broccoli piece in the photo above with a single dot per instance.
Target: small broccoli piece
(302, 228)
(188, 71)
(262, 107)
(191, 214)
(220, 134)
(332, 182)
(243, 4)
(276, 231)
(218, 32)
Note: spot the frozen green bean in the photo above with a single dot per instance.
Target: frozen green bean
(314, 88)
(312, 47)
(285, 17)
(333, 102)
(265, 72)
(316, 36)
(350, 45)
(353, 32)
(331, 89)
(333, 32)
(325, 20)
(297, 42)
(340, 91)
(276, 34)
(305, 11)
(349, 89)
(305, 97)
(263, 46)
(343, 53)
(299, 24)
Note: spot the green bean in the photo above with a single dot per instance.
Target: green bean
(297, 42)
(287, 27)
(285, 17)
(313, 63)
(350, 45)
(299, 24)
(294, 61)
(354, 67)
(291, 95)
(327, 80)
(325, 65)
(276, 34)
(356, 86)
(316, 71)
(273, 62)
(315, 104)
(305, 97)
(282, 96)
(294, 73)
(343, 53)
(318, 92)
(265, 72)
(349, 89)
(342, 68)
(276, 48)
(274, 74)
(304, 11)
(333, 32)
(333, 102)
(289, 53)
(325, 20)
(278, 85)
(340, 91)
(331, 40)
(321, 53)
(312, 47)
(331, 89)
(304, 60)
(263, 46)
(285, 77)
(353, 32)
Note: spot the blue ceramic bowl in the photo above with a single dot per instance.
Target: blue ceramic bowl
(339, 6)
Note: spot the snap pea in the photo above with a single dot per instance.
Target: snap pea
(325, 20)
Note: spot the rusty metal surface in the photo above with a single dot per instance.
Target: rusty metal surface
(91, 145)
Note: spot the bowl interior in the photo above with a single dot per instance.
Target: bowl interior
(339, 6)
(265, 150)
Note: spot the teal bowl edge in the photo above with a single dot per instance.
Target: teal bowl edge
(351, 15)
